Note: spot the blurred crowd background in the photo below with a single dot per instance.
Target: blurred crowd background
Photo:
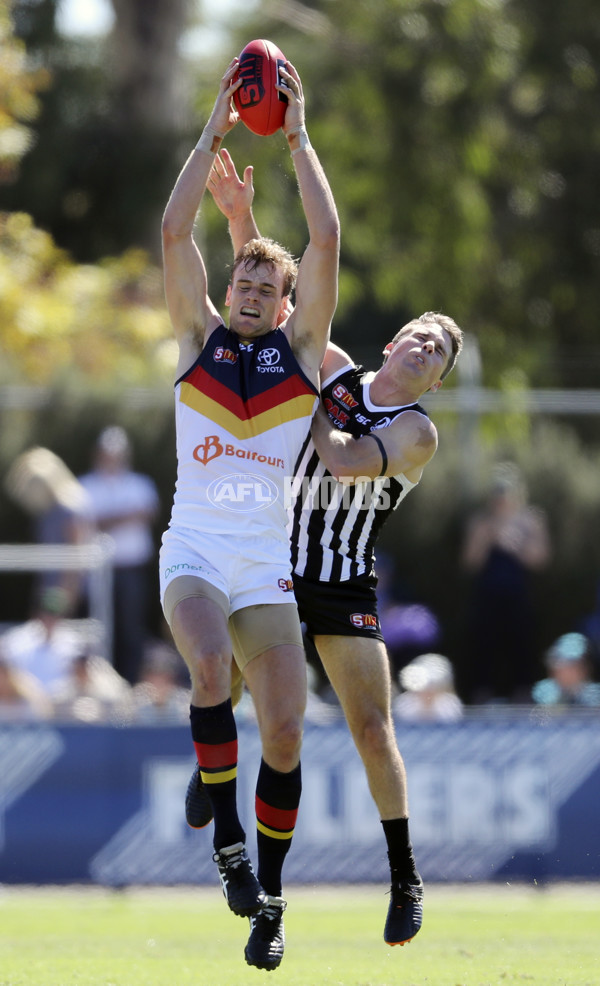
(462, 141)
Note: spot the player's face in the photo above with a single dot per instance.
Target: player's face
(423, 351)
(255, 298)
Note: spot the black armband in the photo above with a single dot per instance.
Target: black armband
(384, 458)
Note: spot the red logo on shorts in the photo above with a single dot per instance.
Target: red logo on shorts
(286, 585)
(363, 620)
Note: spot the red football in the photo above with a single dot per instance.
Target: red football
(261, 107)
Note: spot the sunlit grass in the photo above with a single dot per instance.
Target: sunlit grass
(477, 936)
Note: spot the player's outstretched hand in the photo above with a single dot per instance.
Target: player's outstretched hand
(232, 195)
(292, 88)
(224, 115)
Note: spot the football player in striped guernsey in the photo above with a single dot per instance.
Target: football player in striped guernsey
(370, 443)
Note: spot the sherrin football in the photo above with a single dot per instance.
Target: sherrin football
(261, 107)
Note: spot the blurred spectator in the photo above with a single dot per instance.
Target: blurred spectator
(22, 697)
(409, 628)
(45, 645)
(159, 696)
(245, 710)
(124, 505)
(428, 691)
(569, 666)
(318, 710)
(43, 485)
(589, 626)
(505, 543)
(322, 685)
(91, 691)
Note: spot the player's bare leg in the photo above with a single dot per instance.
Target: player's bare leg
(277, 682)
(358, 669)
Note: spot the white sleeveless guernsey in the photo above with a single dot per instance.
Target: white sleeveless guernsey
(243, 412)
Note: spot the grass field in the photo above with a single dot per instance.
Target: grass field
(476, 936)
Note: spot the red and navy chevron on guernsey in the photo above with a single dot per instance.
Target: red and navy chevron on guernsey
(266, 389)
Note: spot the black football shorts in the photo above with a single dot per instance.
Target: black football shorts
(340, 609)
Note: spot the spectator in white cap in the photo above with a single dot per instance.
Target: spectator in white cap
(428, 694)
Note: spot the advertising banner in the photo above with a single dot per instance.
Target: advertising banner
(504, 799)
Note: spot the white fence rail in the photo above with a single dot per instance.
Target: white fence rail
(94, 558)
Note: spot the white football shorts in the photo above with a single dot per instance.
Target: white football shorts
(248, 571)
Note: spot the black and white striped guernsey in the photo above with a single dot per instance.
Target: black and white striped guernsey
(332, 527)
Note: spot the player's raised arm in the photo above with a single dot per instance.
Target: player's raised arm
(184, 270)
(234, 197)
(405, 447)
(316, 288)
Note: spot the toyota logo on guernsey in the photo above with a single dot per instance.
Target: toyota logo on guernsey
(268, 360)
(242, 493)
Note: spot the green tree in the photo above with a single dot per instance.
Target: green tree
(462, 140)
(107, 138)
(19, 102)
(107, 322)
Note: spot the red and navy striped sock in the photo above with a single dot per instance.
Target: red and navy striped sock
(215, 738)
(277, 800)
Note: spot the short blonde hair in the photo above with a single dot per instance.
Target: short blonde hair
(265, 251)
